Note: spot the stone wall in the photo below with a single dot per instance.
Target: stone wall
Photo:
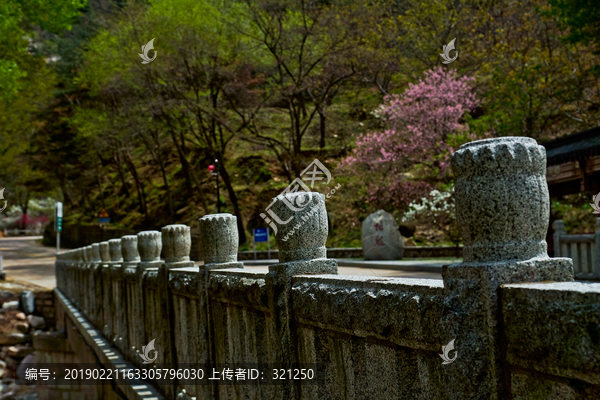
(509, 321)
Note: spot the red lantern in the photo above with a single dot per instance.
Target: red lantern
(211, 168)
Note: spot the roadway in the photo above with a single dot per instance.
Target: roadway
(25, 259)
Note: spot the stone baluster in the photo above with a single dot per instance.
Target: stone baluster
(219, 241)
(101, 286)
(116, 259)
(177, 243)
(502, 207)
(81, 280)
(131, 257)
(93, 294)
(301, 243)
(109, 330)
(596, 250)
(184, 287)
(558, 228)
(146, 255)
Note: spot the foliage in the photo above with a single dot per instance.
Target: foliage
(422, 125)
(576, 213)
(436, 212)
(266, 87)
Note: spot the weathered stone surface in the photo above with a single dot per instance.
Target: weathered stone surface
(403, 311)
(27, 301)
(87, 254)
(96, 252)
(304, 234)
(381, 239)
(554, 328)
(12, 338)
(104, 252)
(177, 243)
(51, 341)
(21, 316)
(503, 208)
(36, 322)
(10, 305)
(22, 327)
(219, 238)
(149, 245)
(114, 247)
(19, 351)
(129, 248)
(501, 186)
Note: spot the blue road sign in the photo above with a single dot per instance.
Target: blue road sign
(103, 220)
(260, 235)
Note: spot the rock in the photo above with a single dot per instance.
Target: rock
(27, 301)
(409, 242)
(28, 362)
(2, 368)
(11, 305)
(19, 351)
(12, 338)
(381, 239)
(20, 316)
(22, 327)
(36, 322)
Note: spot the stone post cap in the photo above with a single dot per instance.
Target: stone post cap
(104, 252)
(96, 252)
(78, 255)
(177, 243)
(114, 248)
(149, 245)
(87, 253)
(219, 238)
(129, 248)
(304, 233)
(502, 201)
(503, 155)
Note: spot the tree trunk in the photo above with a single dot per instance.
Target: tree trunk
(234, 202)
(322, 126)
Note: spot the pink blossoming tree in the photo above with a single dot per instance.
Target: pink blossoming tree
(411, 155)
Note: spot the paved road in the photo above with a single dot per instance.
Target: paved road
(25, 259)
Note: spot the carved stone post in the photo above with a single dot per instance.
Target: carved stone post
(148, 245)
(503, 209)
(114, 257)
(130, 258)
(596, 250)
(184, 294)
(93, 282)
(115, 247)
(157, 309)
(85, 281)
(102, 312)
(219, 242)
(301, 243)
(559, 229)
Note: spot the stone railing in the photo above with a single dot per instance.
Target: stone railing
(583, 249)
(515, 333)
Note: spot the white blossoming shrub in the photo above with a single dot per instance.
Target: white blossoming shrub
(437, 212)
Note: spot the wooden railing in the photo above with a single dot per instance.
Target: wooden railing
(583, 249)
